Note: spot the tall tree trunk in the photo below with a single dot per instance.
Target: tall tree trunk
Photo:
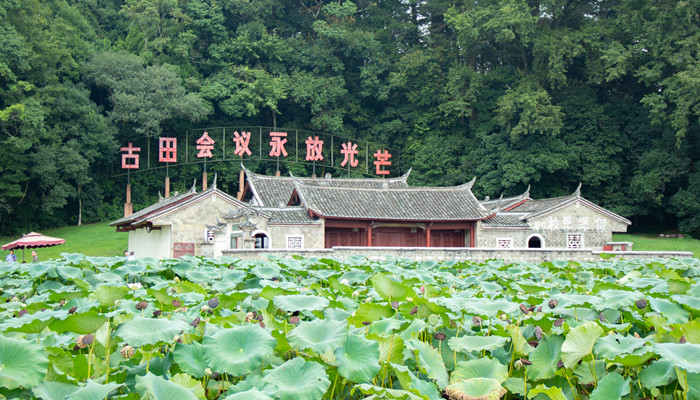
(274, 119)
(80, 208)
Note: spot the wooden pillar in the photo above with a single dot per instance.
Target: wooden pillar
(427, 236)
(471, 235)
(241, 184)
(128, 207)
(277, 173)
(369, 235)
(204, 180)
(167, 187)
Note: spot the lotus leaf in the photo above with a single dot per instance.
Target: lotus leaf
(484, 367)
(238, 350)
(141, 331)
(671, 311)
(300, 302)
(476, 389)
(685, 356)
(54, 390)
(429, 360)
(389, 289)
(468, 344)
(24, 363)
(319, 335)
(611, 387)
(554, 393)
(190, 358)
(93, 390)
(298, 379)
(157, 388)
(579, 343)
(358, 359)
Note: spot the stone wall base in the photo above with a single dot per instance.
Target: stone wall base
(461, 254)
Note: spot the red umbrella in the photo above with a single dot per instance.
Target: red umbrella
(33, 240)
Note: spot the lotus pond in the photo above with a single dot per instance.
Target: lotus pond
(93, 328)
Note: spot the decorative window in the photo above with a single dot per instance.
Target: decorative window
(574, 241)
(234, 242)
(295, 242)
(504, 243)
(209, 236)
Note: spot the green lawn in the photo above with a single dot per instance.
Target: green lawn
(655, 243)
(92, 240)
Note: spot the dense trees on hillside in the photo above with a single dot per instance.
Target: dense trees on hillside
(542, 92)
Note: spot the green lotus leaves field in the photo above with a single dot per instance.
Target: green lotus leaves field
(95, 327)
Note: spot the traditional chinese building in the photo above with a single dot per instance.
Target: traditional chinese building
(314, 213)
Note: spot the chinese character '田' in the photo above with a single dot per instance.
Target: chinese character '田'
(167, 149)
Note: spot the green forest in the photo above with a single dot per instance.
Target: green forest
(515, 92)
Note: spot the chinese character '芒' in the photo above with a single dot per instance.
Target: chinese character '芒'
(129, 155)
(277, 144)
(167, 149)
(205, 145)
(382, 159)
(241, 140)
(314, 149)
(349, 150)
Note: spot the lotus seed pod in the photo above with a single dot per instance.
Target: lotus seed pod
(395, 304)
(127, 352)
(22, 312)
(195, 322)
(524, 309)
(365, 323)
(641, 304)
(559, 322)
(682, 341)
(176, 303)
(262, 324)
(553, 303)
(141, 305)
(539, 309)
(84, 341)
(525, 361)
(560, 364)
(72, 310)
(213, 303)
(533, 343)
(440, 336)
(294, 320)
(538, 333)
(157, 313)
(601, 317)
(249, 317)
(476, 320)
(414, 310)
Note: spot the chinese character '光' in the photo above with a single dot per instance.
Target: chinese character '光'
(349, 150)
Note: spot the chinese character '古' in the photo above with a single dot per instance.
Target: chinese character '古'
(205, 145)
(382, 159)
(277, 144)
(167, 149)
(129, 155)
(314, 149)
(241, 140)
(349, 150)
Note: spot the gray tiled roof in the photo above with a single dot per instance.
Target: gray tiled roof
(506, 219)
(536, 206)
(161, 204)
(291, 215)
(398, 204)
(275, 191)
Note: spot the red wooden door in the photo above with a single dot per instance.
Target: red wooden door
(446, 238)
(398, 237)
(344, 237)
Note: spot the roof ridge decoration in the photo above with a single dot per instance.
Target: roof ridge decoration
(213, 184)
(577, 193)
(193, 189)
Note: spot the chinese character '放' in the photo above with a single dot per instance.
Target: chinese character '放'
(349, 150)
(129, 155)
(205, 145)
(241, 140)
(382, 159)
(167, 149)
(277, 144)
(314, 149)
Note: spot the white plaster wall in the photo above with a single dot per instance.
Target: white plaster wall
(313, 235)
(154, 244)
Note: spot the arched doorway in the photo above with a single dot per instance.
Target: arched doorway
(262, 241)
(535, 242)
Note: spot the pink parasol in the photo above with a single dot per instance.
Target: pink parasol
(33, 240)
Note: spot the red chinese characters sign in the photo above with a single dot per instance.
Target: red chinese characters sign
(168, 147)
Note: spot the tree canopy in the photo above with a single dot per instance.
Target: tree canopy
(547, 93)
